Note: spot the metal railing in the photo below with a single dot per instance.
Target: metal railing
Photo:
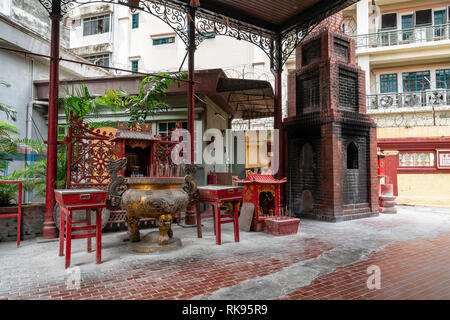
(405, 36)
(430, 98)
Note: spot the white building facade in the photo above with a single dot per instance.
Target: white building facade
(115, 36)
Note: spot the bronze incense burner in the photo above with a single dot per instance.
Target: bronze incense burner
(156, 197)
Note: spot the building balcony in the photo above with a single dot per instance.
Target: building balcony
(379, 103)
(403, 37)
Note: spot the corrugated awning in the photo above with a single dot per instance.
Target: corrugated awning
(250, 99)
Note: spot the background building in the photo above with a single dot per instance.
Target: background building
(114, 35)
(404, 47)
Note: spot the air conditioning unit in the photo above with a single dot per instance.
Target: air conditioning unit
(411, 100)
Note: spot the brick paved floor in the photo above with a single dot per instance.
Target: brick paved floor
(323, 261)
(409, 270)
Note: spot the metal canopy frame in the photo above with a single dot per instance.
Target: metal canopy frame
(277, 42)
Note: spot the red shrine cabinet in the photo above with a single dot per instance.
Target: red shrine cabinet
(263, 191)
(148, 155)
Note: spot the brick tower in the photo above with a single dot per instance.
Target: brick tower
(331, 141)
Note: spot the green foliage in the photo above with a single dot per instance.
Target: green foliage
(7, 109)
(8, 194)
(148, 102)
(79, 102)
(8, 143)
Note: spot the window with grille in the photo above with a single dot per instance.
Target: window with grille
(443, 79)
(407, 25)
(167, 126)
(135, 21)
(348, 89)
(96, 25)
(101, 60)
(160, 41)
(439, 21)
(341, 50)
(416, 81)
(134, 65)
(389, 21)
(309, 99)
(388, 83)
(311, 52)
(352, 156)
(208, 35)
(423, 17)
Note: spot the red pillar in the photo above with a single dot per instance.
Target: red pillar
(191, 101)
(190, 217)
(391, 162)
(49, 230)
(278, 116)
(277, 64)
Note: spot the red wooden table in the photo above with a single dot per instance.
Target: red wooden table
(80, 199)
(17, 214)
(216, 196)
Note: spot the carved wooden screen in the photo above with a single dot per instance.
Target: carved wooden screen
(162, 165)
(88, 153)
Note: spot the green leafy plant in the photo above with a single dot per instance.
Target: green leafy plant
(5, 108)
(148, 102)
(8, 148)
(79, 102)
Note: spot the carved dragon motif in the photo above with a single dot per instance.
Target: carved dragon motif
(190, 186)
(116, 187)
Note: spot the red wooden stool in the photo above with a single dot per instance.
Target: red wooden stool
(216, 196)
(80, 199)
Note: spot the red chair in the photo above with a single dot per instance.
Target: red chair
(18, 214)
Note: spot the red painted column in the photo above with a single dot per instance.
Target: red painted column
(278, 120)
(49, 230)
(190, 217)
(391, 161)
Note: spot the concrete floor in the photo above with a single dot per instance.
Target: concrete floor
(322, 261)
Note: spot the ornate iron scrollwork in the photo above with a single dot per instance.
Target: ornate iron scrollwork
(66, 5)
(206, 23)
(277, 46)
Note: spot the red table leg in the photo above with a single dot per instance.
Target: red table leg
(62, 213)
(98, 237)
(89, 239)
(68, 237)
(236, 221)
(217, 224)
(199, 221)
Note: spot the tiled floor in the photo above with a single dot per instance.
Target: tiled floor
(322, 261)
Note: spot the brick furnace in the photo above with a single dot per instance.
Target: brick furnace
(332, 163)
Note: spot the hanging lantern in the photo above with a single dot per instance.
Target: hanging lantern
(194, 3)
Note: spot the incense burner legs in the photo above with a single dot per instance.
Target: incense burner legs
(165, 228)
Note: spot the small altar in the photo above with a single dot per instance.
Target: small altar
(263, 190)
